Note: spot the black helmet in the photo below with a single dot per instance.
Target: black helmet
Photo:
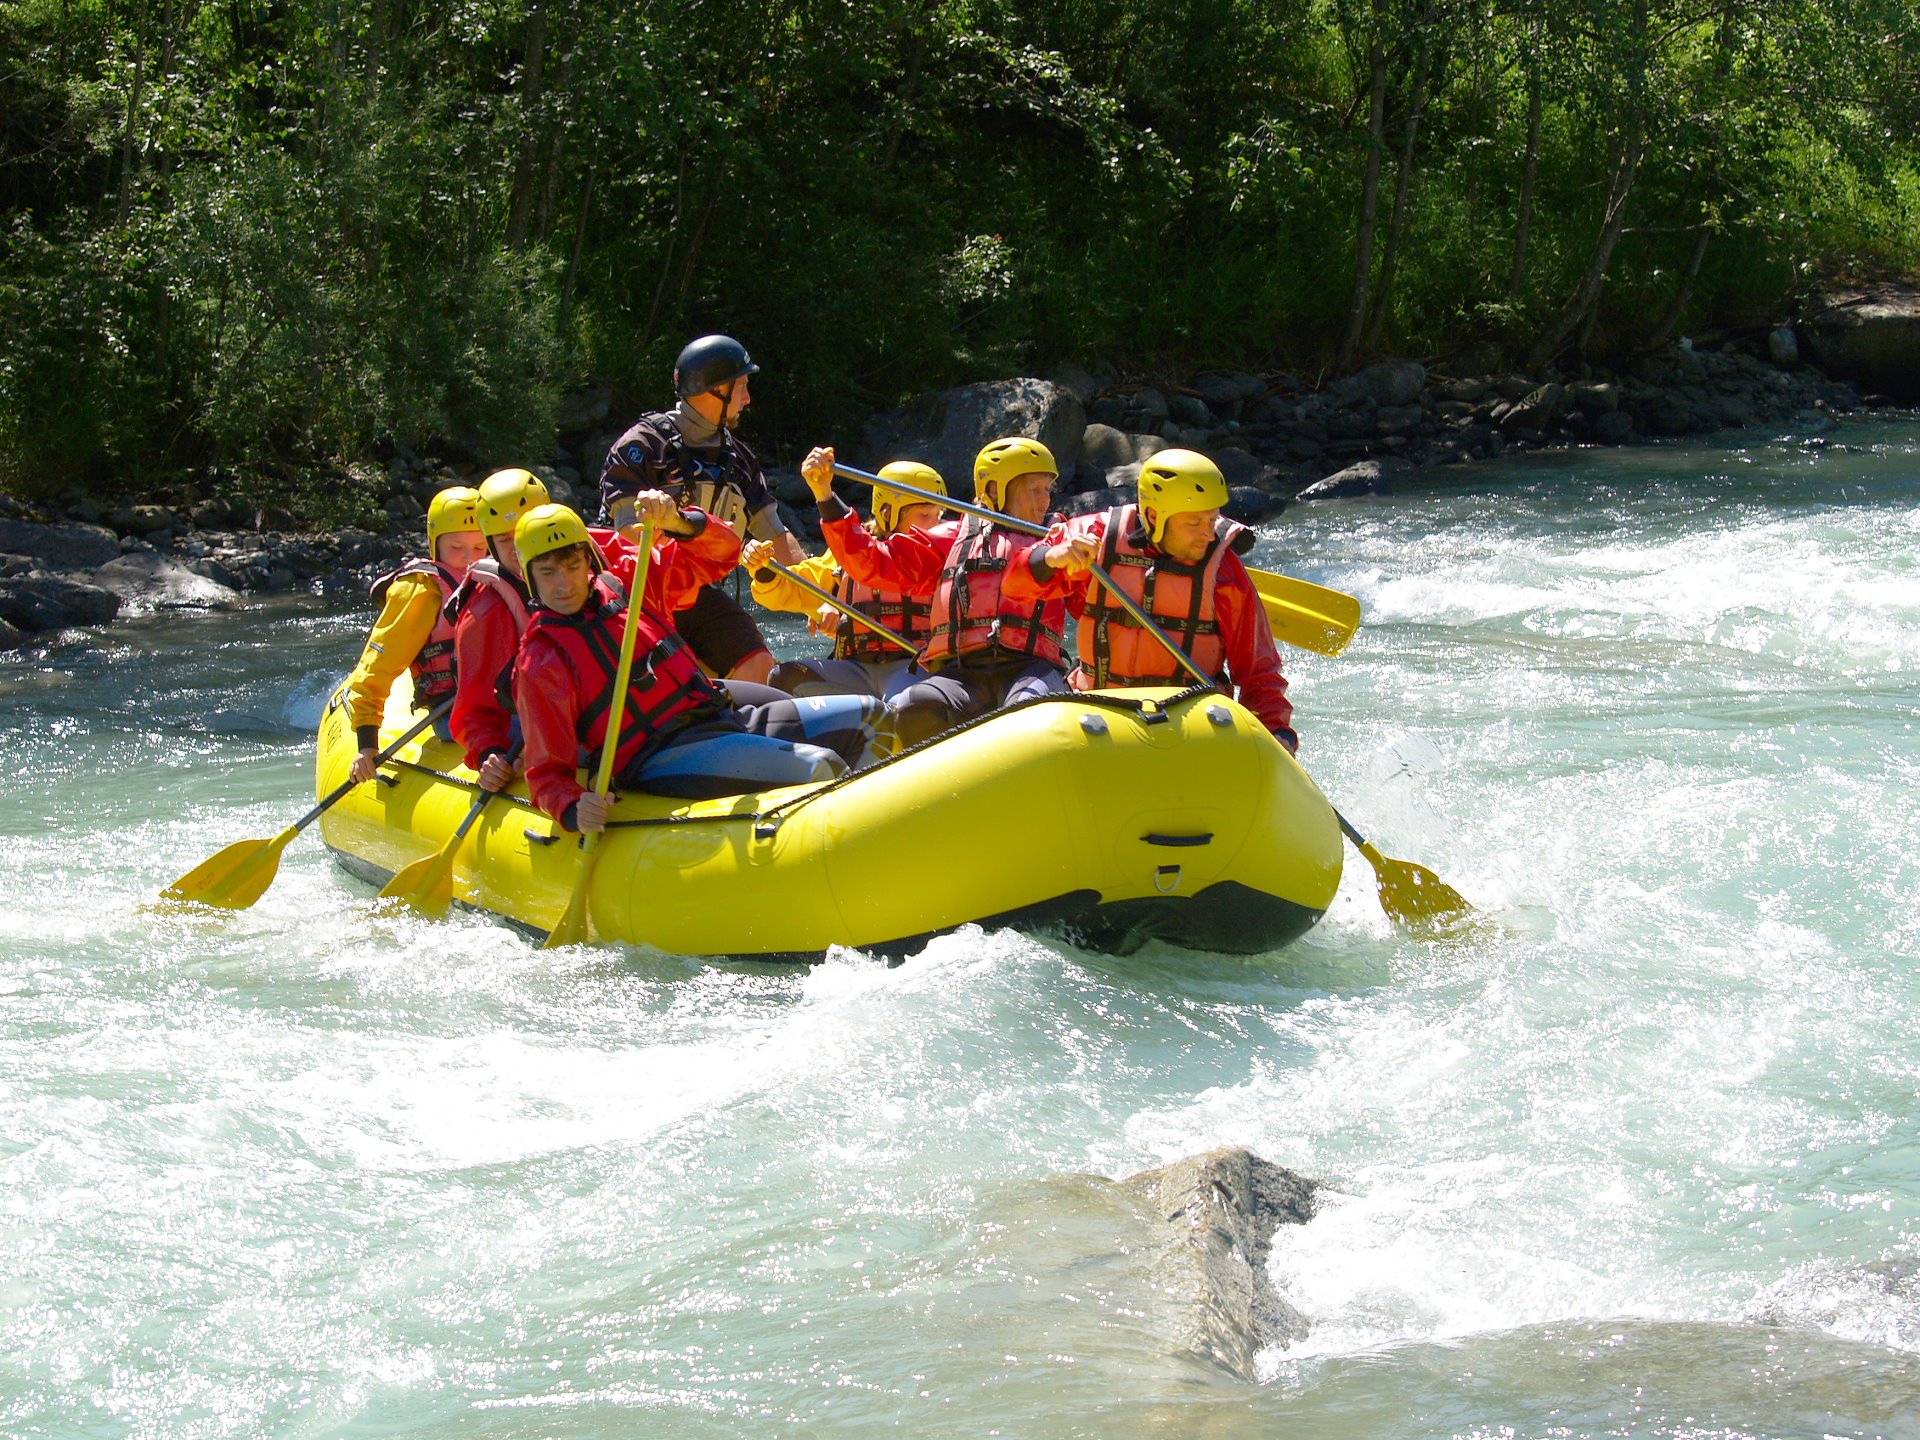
(710, 362)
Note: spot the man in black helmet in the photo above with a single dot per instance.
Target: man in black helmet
(692, 453)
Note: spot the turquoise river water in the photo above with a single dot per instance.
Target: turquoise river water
(318, 1170)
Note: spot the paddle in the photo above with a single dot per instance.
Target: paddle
(426, 886)
(1311, 617)
(241, 873)
(572, 927)
(775, 567)
(1409, 893)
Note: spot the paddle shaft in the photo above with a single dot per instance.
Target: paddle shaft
(339, 791)
(572, 927)
(776, 568)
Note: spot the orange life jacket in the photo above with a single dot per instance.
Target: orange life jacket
(665, 692)
(433, 677)
(969, 612)
(1113, 649)
(906, 617)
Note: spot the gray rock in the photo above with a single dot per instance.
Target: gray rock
(222, 513)
(1870, 336)
(41, 601)
(1108, 409)
(1592, 397)
(1249, 504)
(1366, 477)
(1119, 492)
(1398, 419)
(1102, 448)
(10, 637)
(404, 509)
(1189, 410)
(60, 547)
(1222, 1209)
(946, 429)
(1783, 348)
(141, 519)
(1224, 392)
(1394, 382)
(1613, 428)
(1350, 424)
(16, 564)
(1242, 467)
(1077, 379)
(150, 581)
(1465, 392)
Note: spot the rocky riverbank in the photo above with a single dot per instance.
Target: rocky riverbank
(1279, 437)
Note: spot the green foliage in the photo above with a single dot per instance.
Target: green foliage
(272, 238)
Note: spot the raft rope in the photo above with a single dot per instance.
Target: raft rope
(765, 822)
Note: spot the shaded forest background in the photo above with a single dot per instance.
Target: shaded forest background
(242, 242)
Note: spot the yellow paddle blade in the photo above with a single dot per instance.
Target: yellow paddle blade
(572, 927)
(1312, 617)
(425, 886)
(236, 877)
(1412, 894)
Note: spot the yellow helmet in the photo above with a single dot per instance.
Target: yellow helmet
(505, 496)
(1178, 482)
(1000, 461)
(452, 512)
(547, 528)
(888, 502)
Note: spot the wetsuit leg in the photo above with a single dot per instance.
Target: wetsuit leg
(857, 728)
(708, 762)
(1038, 678)
(932, 704)
(745, 692)
(823, 677)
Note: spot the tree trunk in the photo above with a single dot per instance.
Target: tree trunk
(1396, 218)
(1529, 173)
(557, 132)
(1670, 321)
(573, 260)
(1625, 172)
(1369, 187)
(520, 208)
(125, 203)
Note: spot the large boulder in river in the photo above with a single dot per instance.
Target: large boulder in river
(1364, 477)
(946, 429)
(41, 601)
(60, 547)
(1870, 336)
(147, 580)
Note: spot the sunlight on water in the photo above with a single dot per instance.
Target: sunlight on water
(1638, 1157)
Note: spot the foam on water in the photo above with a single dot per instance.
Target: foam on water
(1624, 1160)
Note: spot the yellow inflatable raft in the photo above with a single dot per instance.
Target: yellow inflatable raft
(1112, 818)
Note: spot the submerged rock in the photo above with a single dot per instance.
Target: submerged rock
(1878, 1302)
(1222, 1209)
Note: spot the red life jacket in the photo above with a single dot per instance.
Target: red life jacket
(969, 613)
(665, 692)
(1113, 650)
(487, 574)
(433, 677)
(906, 617)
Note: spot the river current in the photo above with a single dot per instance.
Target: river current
(316, 1169)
